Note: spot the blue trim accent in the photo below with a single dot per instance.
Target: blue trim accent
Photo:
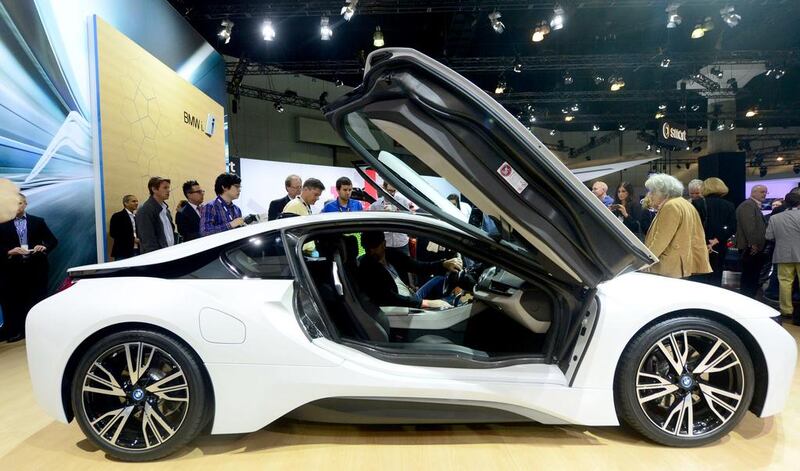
(100, 139)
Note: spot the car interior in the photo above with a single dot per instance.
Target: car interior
(493, 313)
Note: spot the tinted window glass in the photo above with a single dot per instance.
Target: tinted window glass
(261, 257)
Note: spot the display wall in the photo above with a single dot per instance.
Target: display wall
(151, 122)
(45, 106)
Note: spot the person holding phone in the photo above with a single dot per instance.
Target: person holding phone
(25, 243)
(629, 211)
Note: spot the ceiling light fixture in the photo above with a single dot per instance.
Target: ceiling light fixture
(695, 107)
(267, 30)
(751, 112)
(729, 15)
(779, 159)
(568, 80)
(659, 114)
(377, 37)
(494, 20)
(568, 118)
(575, 107)
(595, 127)
(673, 18)
(698, 32)
(338, 83)
(517, 65)
(278, 107)
(662, 107)
(552, 132)
(325, 31)
(500, 88)
(349, 9)
(541, 30)
(760, 127)
(621, 127)
(617, 84)
(558, 18)
(665, 62)
(225, 32)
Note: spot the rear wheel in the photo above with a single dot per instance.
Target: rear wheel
(139, 395)
(685, 382)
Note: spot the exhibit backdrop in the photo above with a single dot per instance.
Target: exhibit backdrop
(151, 122)
(45, 107)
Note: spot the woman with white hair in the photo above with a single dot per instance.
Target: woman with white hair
(695, 189)
(676, 236)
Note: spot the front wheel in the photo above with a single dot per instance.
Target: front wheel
(139, 395)
(684, 382)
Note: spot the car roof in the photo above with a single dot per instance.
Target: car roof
(202, 244)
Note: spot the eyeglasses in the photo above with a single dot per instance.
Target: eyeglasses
(198, 191)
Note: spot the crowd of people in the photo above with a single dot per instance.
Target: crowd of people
(690, 236)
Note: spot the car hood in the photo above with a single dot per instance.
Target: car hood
(460, 133)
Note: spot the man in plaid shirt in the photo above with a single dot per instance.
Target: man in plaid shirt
(221, 214)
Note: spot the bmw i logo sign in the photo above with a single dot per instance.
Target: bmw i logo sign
(686, 382)
(137, 394)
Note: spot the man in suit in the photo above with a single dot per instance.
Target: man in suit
(153, 220)
(25, 243)
(750, 239)
(122, 229)
(188, 218)
(293, 186)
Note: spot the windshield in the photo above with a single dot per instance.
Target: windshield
(403, 154)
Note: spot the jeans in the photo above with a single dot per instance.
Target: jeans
(432, 289)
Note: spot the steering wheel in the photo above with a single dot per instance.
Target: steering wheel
(451, 281)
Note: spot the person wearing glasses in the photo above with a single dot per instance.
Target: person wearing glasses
(221, 214)
(188, 218)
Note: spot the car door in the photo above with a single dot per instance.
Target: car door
(412, 112)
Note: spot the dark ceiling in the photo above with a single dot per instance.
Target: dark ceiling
(623, 38)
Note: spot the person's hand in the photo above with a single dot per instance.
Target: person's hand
(435, 304)
(39, 248)
(713, 242)
(622, 210)
(17, 251)
(454, 264)
(136, 241)
(754, 249)
(237, 222)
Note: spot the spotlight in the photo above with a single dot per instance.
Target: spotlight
(729, 16)
(720, 126)
(568, 118)
(531, 119)
(659, 114)
(776, 73)
(673, 18)
(494, 20)
(377, 37)
(552, 132)
(517, 65)
(698, 32)
(665, 62)
(658, 150)
(695, 107)
(762, 171)
(760, 127)
(529, 108)
(779, 159)
(598, 79)
(267, 30)
(575, 108)
(649, 147)
(682, 108)
(621, 127)
(595, 127)
(349, 9)
(732, 126)
(541, 30)
(717, 72)
(617, 84)
(568, 78)
(500, 88)
(278, 107)
(733, 84)
(565, 110)
(558, 18)
(325, 31)
(338, 83)
(688, 147)
(662, 107)
(751, 112)
(225, 32)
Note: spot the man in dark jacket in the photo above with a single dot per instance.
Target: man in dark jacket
(378, 276)
(122, 229)
(293, 185)
(750, 239)
(153, 220)
(188, 218)
(25, 243)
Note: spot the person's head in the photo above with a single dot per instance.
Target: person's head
(695, 189)
(759, 193)
(130, 202)
(713, 186)
(293, 184)
(344, 187)
(624, 193)
(776, 203)
(792, 200)
(23, 203)
(389, 188)
(374, 243)
(228, 186)
(193, 193)
(159, 188)
(600, 189)
(661, 187)
(453, 198)
(312, 188)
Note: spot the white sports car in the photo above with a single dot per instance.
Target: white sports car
(547, 321)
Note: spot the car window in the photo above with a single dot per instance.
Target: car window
(261, 256)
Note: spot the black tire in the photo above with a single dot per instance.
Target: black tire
(640, 362)
(169, 419)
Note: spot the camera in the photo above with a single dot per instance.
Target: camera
(250, 219)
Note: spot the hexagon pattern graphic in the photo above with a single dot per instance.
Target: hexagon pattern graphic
(141, 110)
